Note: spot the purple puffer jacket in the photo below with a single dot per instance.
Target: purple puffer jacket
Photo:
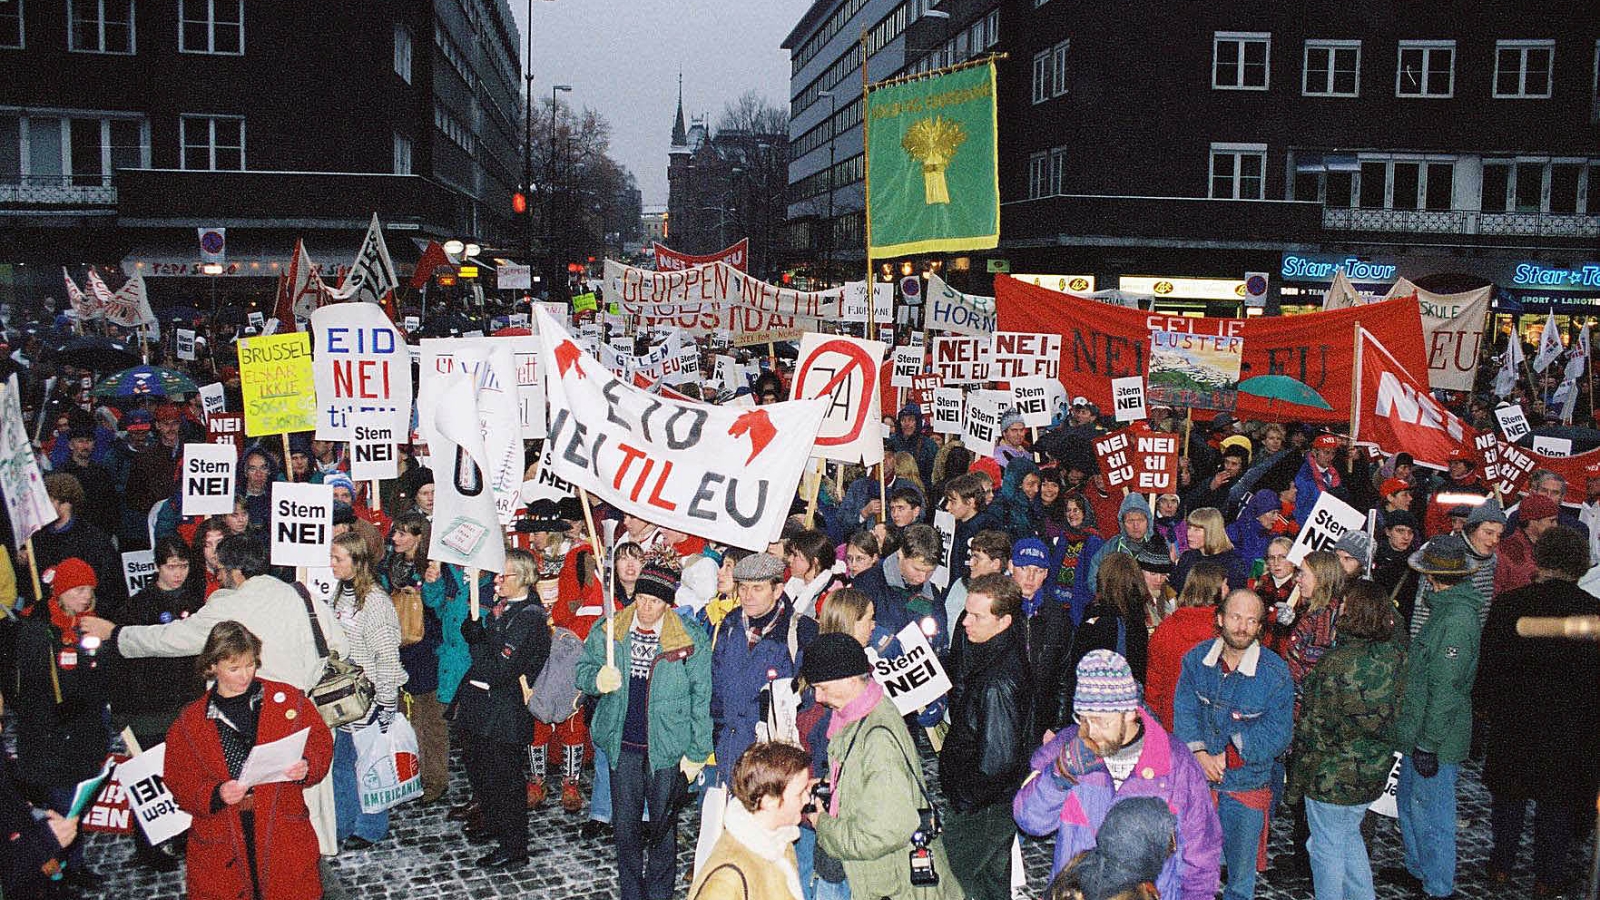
(1167, 770)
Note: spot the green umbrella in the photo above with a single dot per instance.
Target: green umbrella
(1282, 387)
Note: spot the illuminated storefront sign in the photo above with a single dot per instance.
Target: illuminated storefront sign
(1077, 284)
(1320, 268)
(1228, 289)
(1585, 276)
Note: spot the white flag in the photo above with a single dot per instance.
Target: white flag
(1578, 356)
(21, 483)
(372, 274)
(1549, 344)
(1506, 379)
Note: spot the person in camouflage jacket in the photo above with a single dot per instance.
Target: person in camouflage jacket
(1341, 759)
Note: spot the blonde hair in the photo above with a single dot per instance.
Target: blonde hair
(1209, 519)
(363, 577)
(1329, 574)
(904, 465)
(841, 610)
(522, 564)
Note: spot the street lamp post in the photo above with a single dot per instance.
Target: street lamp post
(527, 145)
(552, 277)
(827, 238)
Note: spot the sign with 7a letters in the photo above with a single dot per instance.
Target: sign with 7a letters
(372, 453)
(1330, 520)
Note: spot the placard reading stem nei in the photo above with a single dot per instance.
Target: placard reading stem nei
(208, 479)
(302, 523)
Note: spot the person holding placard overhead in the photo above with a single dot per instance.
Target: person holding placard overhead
(246, 839)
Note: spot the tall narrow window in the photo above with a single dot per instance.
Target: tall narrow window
(1058, 171)
(1058, 68)
(402, 154)
(1038, 175)
(13, 36)
(1041, 77)
(402, 52)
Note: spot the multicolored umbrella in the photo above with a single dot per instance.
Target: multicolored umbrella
(145, 381)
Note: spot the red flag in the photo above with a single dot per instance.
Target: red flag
(1395, 411)
(303, 292)
(432, 258)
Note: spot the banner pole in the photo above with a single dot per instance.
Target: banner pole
(605, 582)
(1355, 384)
(33, 570)
(288, 464)
(472, 594)
(866, 183)
(377, 498)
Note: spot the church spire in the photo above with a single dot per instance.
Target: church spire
(680, 135)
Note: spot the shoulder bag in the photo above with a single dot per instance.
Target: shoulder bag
(344, 694)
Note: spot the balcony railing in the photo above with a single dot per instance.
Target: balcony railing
(58, 190)
(1461, 221)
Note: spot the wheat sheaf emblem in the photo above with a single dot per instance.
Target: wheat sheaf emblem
(933, 142)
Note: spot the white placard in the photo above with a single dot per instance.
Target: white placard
(1552, 446)
(948, 410)
(944, 523)
(258, 319)
(320, 583)
(208, 476)
(302, 523)
(184, 341)
(154, 807)
(372, 453)
(907, 365)
(1127, 398)
(980, 428)
(411, 323)
(557, 311)
(514, 277)
(855, 302)
(138, 570)
(1513, 424)
(546, 485)
(728, 377)
(361, 368)
(1034, 399)
(1330, 520)
(845, 372)
(913, 679)
(1387, 803)
(213, 399)
(961, 360)
(1023, 354)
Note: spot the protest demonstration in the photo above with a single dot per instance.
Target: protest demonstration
(745, 548)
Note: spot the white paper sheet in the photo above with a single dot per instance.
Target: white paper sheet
(267, 762)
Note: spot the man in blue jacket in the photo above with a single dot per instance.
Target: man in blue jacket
(1234, 708)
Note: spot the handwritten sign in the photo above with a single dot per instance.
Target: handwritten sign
(361, 370)
(1021, 354)
(280, 393)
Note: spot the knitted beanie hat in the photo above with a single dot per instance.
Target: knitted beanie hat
(659, 582)
(1105, 684)
(68, 574)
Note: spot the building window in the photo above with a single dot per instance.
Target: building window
(1426, 69)
(991, 24)
(100, 26)
(214, 143)
(1238, 171)
(1041, 76)
(402, 52)
(1038, 175)
(1240, 60)
(1058, 171)
(402, 154)
(1522, 68)
(1559, 186)
(1058, 68)
(1406, 182)
(1332, 69)
(211, 26)
(12, 34)
(80, 150)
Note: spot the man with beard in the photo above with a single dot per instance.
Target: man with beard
(1234, 708)
(1116, 749)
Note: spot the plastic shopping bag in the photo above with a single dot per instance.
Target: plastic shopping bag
(388, 771)
(712, 808)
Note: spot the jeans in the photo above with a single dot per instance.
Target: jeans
(647, 864)
(1241, 844)
(1340, 869)
(600, 798)
(347, 796)
(805, 849)
(1553, 826)
(1427, 809)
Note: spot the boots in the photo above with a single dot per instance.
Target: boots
(537, 756)
(571, 767)
(465, 812)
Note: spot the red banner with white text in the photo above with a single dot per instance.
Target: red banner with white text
(1395, 412)
(670, 260)
(1101, 342)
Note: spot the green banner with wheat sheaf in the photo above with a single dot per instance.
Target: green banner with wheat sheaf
(933, 178)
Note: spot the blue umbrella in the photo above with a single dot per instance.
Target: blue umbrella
(145, 381)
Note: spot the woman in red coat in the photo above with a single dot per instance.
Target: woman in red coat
(1194, 621)
(245, 841)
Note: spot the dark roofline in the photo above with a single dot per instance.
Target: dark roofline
(818, 12)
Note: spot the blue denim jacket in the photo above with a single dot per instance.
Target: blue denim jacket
(1251, 708)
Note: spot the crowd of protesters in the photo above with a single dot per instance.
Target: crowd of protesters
(1148, 681)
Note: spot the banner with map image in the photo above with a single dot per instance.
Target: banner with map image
(1198, 371)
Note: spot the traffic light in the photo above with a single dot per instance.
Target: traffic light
(519, 204)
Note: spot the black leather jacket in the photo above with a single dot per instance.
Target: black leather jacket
(1047, 637)
(985, 753)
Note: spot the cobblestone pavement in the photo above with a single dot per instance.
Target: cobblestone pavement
(427, 857)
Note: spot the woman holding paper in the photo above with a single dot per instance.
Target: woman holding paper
(207, 751)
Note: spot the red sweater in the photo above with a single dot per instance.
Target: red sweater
(1187, 627)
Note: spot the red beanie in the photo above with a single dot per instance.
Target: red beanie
(69, 574)
(1537, 506)
(989, 466)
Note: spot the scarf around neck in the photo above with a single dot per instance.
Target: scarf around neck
(771, 846)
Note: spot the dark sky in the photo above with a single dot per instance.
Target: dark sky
(622, 58)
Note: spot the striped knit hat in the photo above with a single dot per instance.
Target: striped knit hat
(657, 581)
(1105, 684)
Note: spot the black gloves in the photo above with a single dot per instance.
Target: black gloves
(474, 632)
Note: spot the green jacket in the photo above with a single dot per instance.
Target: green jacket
(879, 796)
(679, 710)
(1436, 714)
(1350, 703)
